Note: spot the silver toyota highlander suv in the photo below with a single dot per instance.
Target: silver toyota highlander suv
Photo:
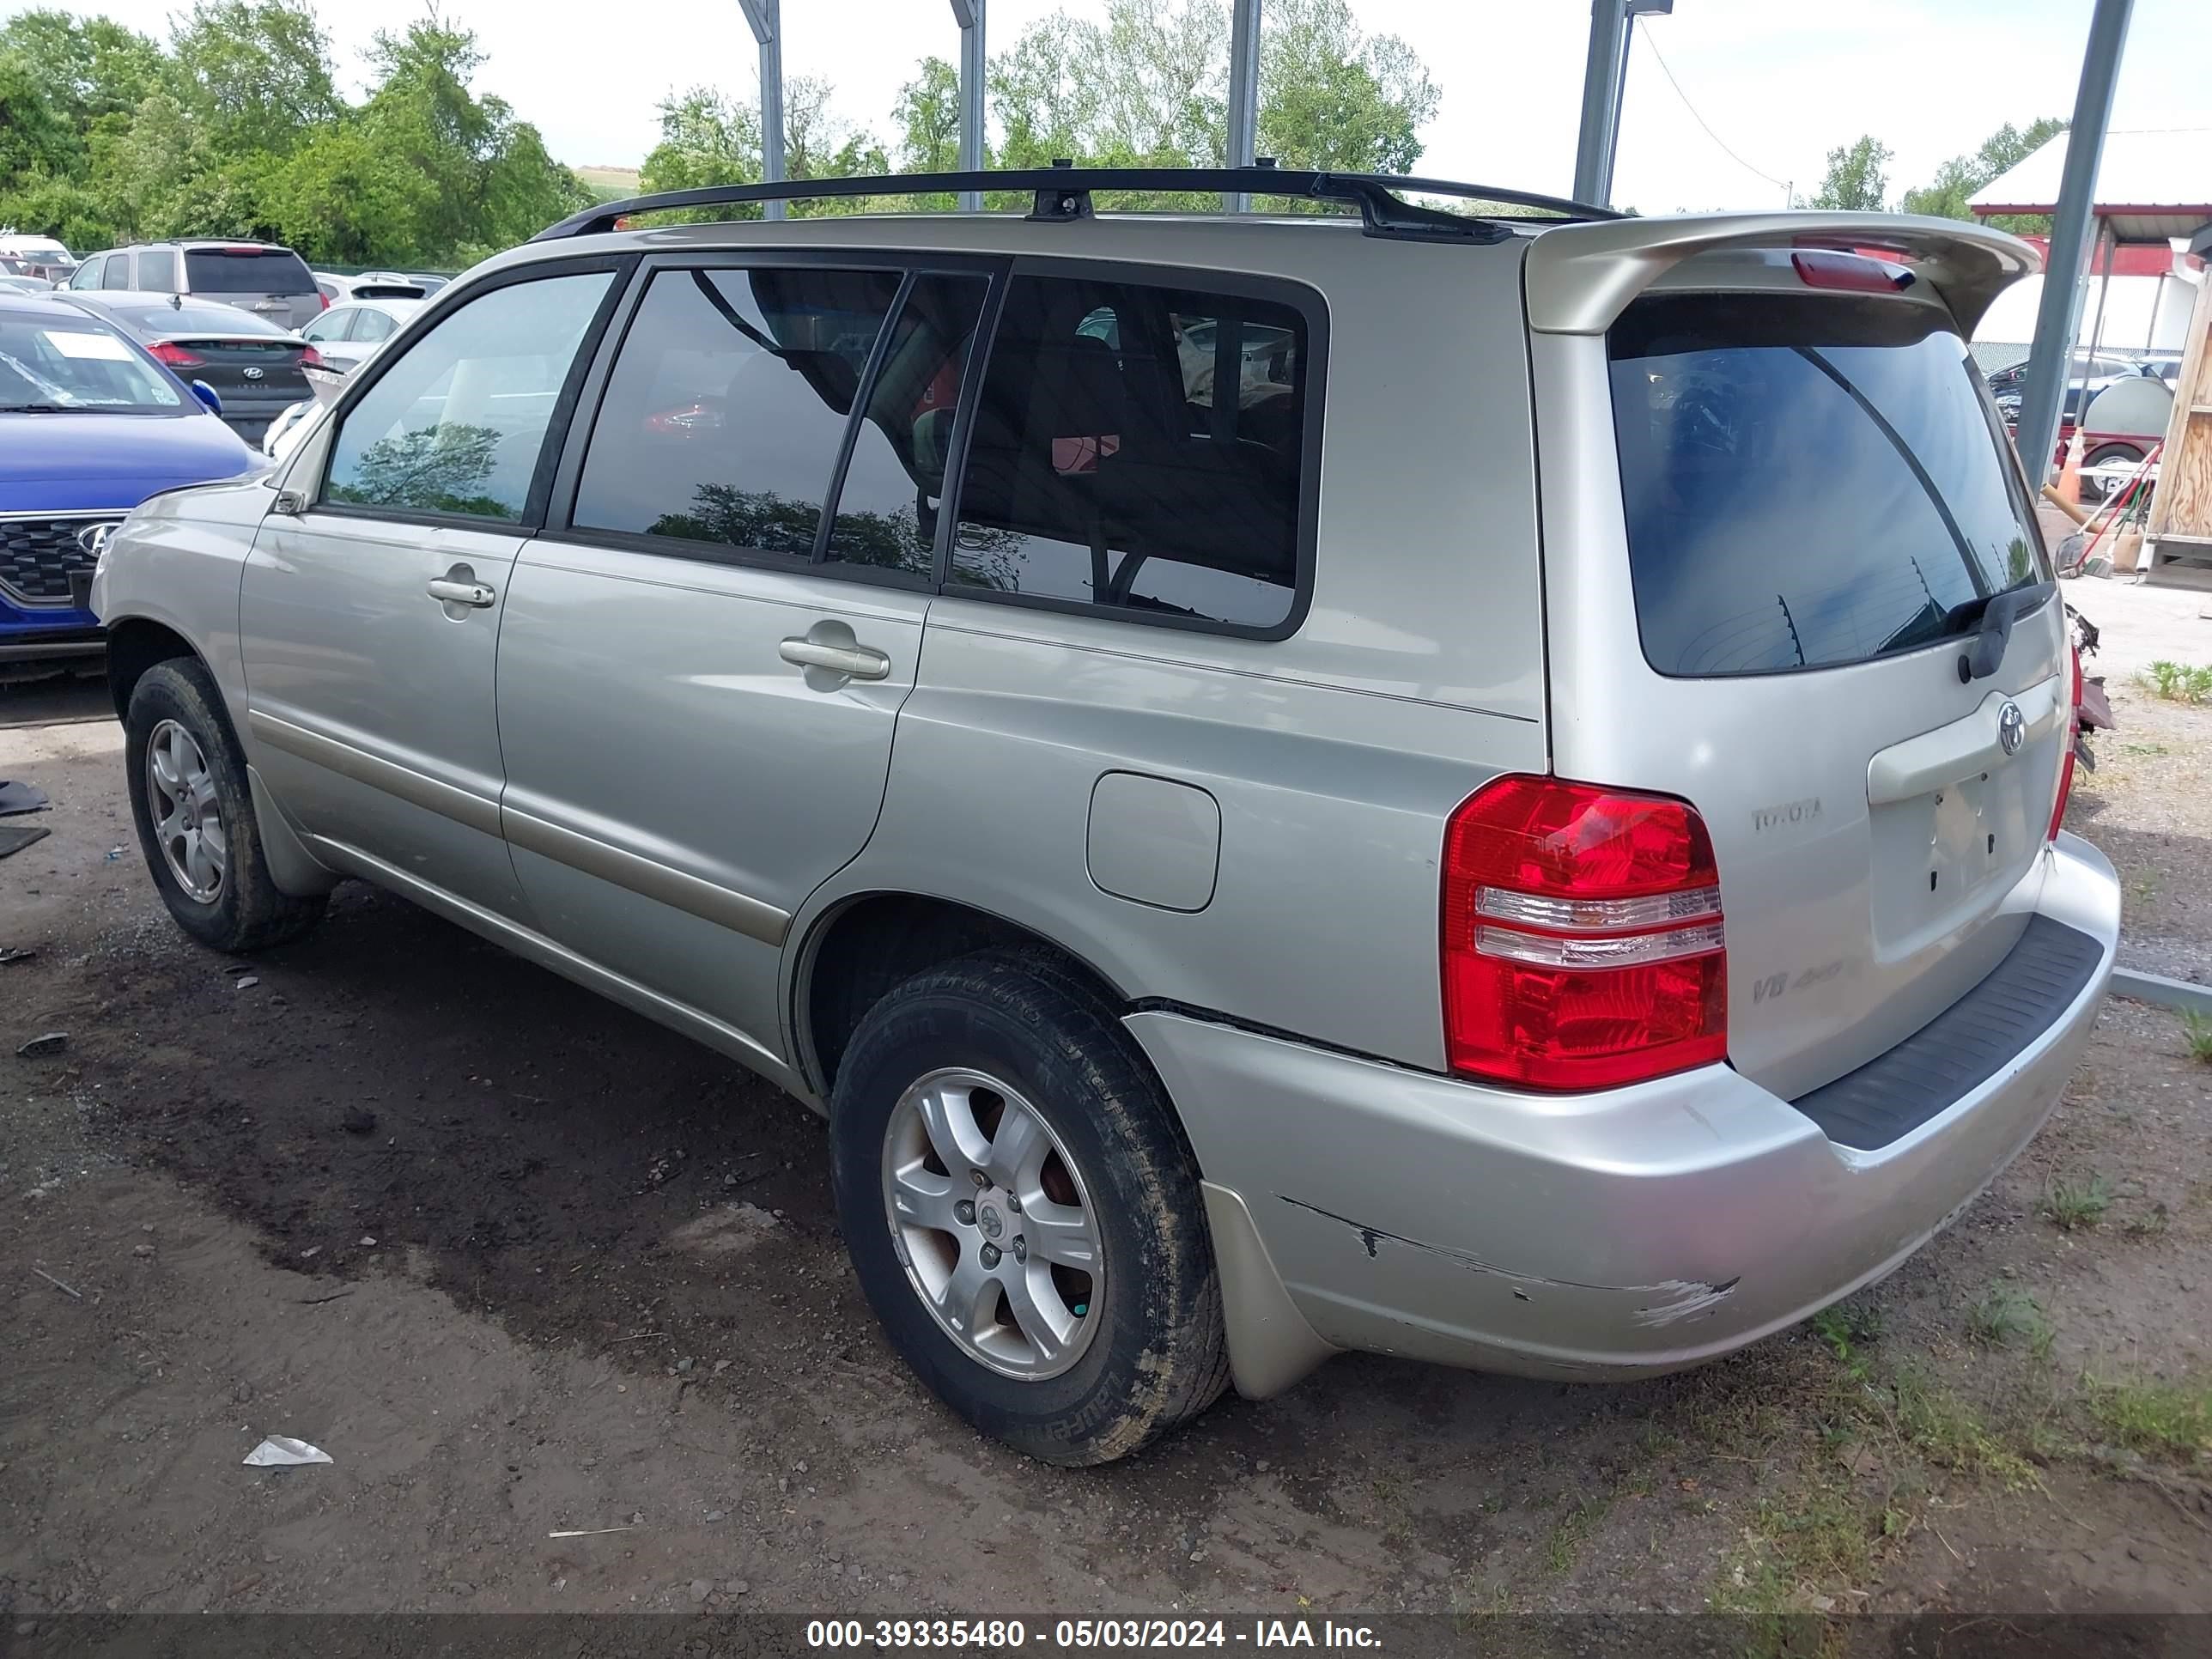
(1483, 788)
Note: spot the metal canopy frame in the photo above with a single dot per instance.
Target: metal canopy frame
(975, 69)
(2058, 314)
(1605, 77)
(764, 16)
(1062, 192)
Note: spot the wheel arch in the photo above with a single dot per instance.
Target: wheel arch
(868, 943)
(136, 644)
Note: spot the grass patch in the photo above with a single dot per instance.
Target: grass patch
(1571, 1530)
(2196, 1032)
(2151, 1224)
(2005, 1313)
(2161, 1420)
(2072, 1205)
(2176, 682)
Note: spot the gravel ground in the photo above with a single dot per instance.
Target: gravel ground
(525, 1266)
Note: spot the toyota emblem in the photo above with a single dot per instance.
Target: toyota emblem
(93, 538)
(2012, 728)
(251, 374)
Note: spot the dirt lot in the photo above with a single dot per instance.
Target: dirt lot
(525, 1264)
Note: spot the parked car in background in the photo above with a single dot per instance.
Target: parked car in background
(272, 282)
(255, 367)
(371, 284)
(1526, 835)
(90, 426)
(348, 334)
(35, 256)
(2099, 366)
(15, 284)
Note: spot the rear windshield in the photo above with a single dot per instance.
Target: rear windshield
(1809, 480)
(246, 271)
(207, 319)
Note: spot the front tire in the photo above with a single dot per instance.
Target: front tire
(1022, 1210)
(195, 814)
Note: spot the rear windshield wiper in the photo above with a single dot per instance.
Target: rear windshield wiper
(1989, 617)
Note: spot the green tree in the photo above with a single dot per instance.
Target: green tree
(926, 119)
(256, 74)
(1857, 177)
(1144, 88)
(1331, 98)
(1958, 178)
(705, 139)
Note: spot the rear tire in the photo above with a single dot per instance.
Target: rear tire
(195, 814)
(1071, 1365)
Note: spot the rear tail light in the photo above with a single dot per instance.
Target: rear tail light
(1583, 943)
(310, 358)
(175, 356)
(325, 298)
(2072, 737)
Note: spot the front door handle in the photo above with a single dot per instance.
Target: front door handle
(856, 661)
(476, 594)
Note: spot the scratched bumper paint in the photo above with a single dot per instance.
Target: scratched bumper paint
(1619, 1234)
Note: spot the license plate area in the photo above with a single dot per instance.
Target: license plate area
(1937, 858)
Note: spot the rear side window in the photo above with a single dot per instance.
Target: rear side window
(457, 423)
(118, 274)
(1808, 481)
(727, 410)
(157, 270)
(246, 271)
(744, 401)
(1141, 449)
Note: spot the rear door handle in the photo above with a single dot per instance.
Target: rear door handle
(859, 662)
(476, 594)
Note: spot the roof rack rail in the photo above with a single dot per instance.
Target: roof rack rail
(1062, 192)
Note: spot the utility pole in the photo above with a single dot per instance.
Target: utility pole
(2051, 360)
(1244, 95)
(969, 14)
(1605, 77)
(764, 17)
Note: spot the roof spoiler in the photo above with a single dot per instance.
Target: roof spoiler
(1580, 277)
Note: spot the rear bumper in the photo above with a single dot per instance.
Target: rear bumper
(1613, 1235)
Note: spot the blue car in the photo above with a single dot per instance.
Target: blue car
(90, 426)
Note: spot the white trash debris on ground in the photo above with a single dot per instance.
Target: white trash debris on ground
(281, 1451)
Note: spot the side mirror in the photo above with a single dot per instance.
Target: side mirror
(206, 394)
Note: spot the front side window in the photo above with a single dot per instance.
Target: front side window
(727, 410)
(457, 422)
(1808, 481)
(330, 325)
(87, 274)
(1112, 463)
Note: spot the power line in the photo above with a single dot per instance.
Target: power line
(1779, 184)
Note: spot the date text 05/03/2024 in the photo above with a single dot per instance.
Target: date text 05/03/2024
(1003, 1634)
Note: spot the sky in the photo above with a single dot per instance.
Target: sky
(1778, 82)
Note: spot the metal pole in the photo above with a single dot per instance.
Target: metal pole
(1602, 71)
(1605, 79)
(969, 14)
(764, 16)
(2051, 359)
(1244, 95)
